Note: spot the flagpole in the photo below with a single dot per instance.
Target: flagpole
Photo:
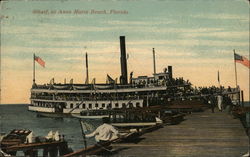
(235, 69)
(34, 74)
(218, 75)
(87, 70)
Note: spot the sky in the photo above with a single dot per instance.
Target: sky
(196, 37)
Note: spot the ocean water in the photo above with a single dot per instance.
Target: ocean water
(247, 103)
(18, 117)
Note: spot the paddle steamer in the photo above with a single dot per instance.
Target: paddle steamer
(143, 91)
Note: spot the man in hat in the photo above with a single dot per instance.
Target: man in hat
(104, 132)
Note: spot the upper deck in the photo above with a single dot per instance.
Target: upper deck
(109, 88)
(95, 89)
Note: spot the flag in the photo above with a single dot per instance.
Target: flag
(86, 127)
(241, 59)
(109, 80)
(39, 60)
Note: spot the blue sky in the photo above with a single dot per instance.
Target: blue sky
(196, 37)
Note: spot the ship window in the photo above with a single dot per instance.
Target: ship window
(116, 104)
(96, 105)
(103, 105)
(130, 104)
(123, 105)
(71, 105)
(83, 106)
(90, 105)
(161, 77)
(77, 105)
(137, 104)
(109, 105)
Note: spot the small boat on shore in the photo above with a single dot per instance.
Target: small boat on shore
(92, 114)
(125, 117)
(23, 140)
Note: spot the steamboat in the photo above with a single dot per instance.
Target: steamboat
(64, 99)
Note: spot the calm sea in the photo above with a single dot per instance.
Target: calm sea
(18, 117)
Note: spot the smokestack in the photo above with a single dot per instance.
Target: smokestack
(123, 60)
(170, 72)
(154, 60)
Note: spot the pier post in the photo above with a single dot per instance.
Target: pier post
(45, 152)
(63, 149)
(53, 152)
(31, 153)
(242, 98)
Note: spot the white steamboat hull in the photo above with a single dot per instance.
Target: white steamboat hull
(76, 107)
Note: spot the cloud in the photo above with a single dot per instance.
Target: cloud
(51, 30)
(223, 17)
(145, 22)
(219, 34)
(189, 42)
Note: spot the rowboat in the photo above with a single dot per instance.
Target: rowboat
(106, 147)
(89, 117)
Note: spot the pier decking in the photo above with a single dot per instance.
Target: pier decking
(201, 134)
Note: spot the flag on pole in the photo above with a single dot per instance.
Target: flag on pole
(241, 59)
(39, 60)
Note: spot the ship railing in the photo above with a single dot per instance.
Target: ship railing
(40, 86)
(84, 98)
(42, 97)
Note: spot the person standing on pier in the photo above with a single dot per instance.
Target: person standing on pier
(220, 100)
(212, 101)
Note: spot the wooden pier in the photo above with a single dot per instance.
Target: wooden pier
(201, 134)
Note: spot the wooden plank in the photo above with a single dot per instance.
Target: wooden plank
(201, 134)
(21, 147)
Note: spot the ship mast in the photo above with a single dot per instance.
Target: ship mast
(34, 70)
(87, 69)
(154, 60)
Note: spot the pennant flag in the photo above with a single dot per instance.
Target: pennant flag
(39, 60)
(109, 80)
(241, 59)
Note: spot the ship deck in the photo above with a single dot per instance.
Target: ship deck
(201, 134)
